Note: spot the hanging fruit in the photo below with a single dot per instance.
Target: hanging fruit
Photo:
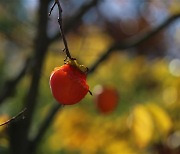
(106, 98)
(68, 84)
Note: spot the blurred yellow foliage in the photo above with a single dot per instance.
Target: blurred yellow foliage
(75, 129)
(142, 126)
(120, 147)
(3, 118)
(174, 7)
(161, 119)
(149, 122)
(159, 70)
(3, 136)
(91, 44)
(170, 95)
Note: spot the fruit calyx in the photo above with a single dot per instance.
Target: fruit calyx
(73, 62)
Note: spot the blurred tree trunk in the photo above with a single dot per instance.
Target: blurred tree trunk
(18, 131)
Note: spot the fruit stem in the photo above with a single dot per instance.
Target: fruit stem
(56, 2)
(90, 93)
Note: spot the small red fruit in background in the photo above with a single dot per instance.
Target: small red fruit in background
(68, 84)
(106, 98)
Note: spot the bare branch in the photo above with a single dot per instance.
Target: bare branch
(133, 42)
(10, 85)
(14, 118)
(52, 8)
(20, 130)
(56, 2)
(74, 20)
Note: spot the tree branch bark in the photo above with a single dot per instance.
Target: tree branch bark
(10, 85)
(19, 131)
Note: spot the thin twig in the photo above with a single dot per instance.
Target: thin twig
(52, 8)
(56, 2)
(74, 20)
(14, 118)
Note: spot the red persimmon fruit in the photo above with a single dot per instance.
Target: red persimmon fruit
(68, 84)
(106, 98)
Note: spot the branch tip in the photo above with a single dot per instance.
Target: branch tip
(52, 8)
(14, 118)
